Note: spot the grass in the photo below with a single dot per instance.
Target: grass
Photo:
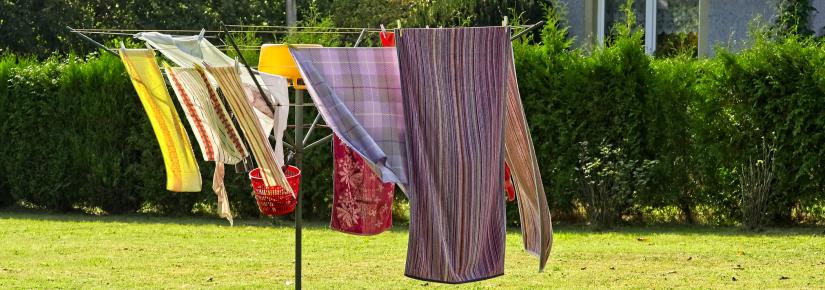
(39, 250)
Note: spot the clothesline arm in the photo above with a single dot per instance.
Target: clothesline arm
(312, 127)
(89, 39)
(528, 29)
(360, 37)
(286, 141)
(319, 141)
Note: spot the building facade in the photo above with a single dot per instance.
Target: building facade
(673, 26)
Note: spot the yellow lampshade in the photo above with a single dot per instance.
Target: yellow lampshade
(276, 59)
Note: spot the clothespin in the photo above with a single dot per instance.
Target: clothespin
(383, 29)
(427, 26)
(398, 23)
(200, 35)
(504, 22)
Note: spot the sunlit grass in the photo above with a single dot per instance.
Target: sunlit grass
(40, 250)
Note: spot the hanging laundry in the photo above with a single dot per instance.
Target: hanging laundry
(229, 80)
(220, 192)
(187, 51)
(508, 183)
(357, 91)
(361, 204)
(453, 84)
(387, 38)
(279, 89)
(212, 125)
(182, 173)
(534, 213)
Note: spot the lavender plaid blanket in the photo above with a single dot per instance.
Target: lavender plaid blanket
(358, 92)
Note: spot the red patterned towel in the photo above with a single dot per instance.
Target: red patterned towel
(362, 204)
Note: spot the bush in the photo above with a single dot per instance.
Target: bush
(79, 137)
(775, 89)
(698, 119)
(664, 133)
(609, 181)
(756, 183)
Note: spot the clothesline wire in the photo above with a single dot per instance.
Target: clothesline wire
(283, 29)
(297, 29)
(128, 34)
(351, 28)
(133, 31)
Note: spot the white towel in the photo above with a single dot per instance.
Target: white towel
(186, 51)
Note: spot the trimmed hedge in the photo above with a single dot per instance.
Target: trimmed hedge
(76, 136)
(699, 120)
(666, 133)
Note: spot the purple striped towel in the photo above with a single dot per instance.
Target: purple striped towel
(454, 84)
(534, 213)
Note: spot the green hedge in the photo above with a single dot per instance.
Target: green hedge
(699, 121)
(775, 91)
(76, 136)
(672, 133)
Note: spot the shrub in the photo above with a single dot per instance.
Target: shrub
(609, 182)
(664, 133)
(776, 88)
(756, 183)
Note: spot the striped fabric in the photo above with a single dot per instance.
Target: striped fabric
(206, 114)
(212, 125)
(229, 81)
(182, 173)
(361, 204)
(454, 87)
(188, 51)
(536, 226)
(358, 92)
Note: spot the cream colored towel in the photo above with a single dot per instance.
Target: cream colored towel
(220, 191)
(188, 51)
(228, 79)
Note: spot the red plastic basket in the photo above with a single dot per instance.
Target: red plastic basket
(274, 200)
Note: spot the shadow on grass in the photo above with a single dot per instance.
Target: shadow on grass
(695, 230)
(287, 222)
(195, 220)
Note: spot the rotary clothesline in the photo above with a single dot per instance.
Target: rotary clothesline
(255, 28)
(300, 140)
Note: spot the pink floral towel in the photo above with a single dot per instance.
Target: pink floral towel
(362, 204)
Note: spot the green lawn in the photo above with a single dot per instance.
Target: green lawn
(75, 251)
